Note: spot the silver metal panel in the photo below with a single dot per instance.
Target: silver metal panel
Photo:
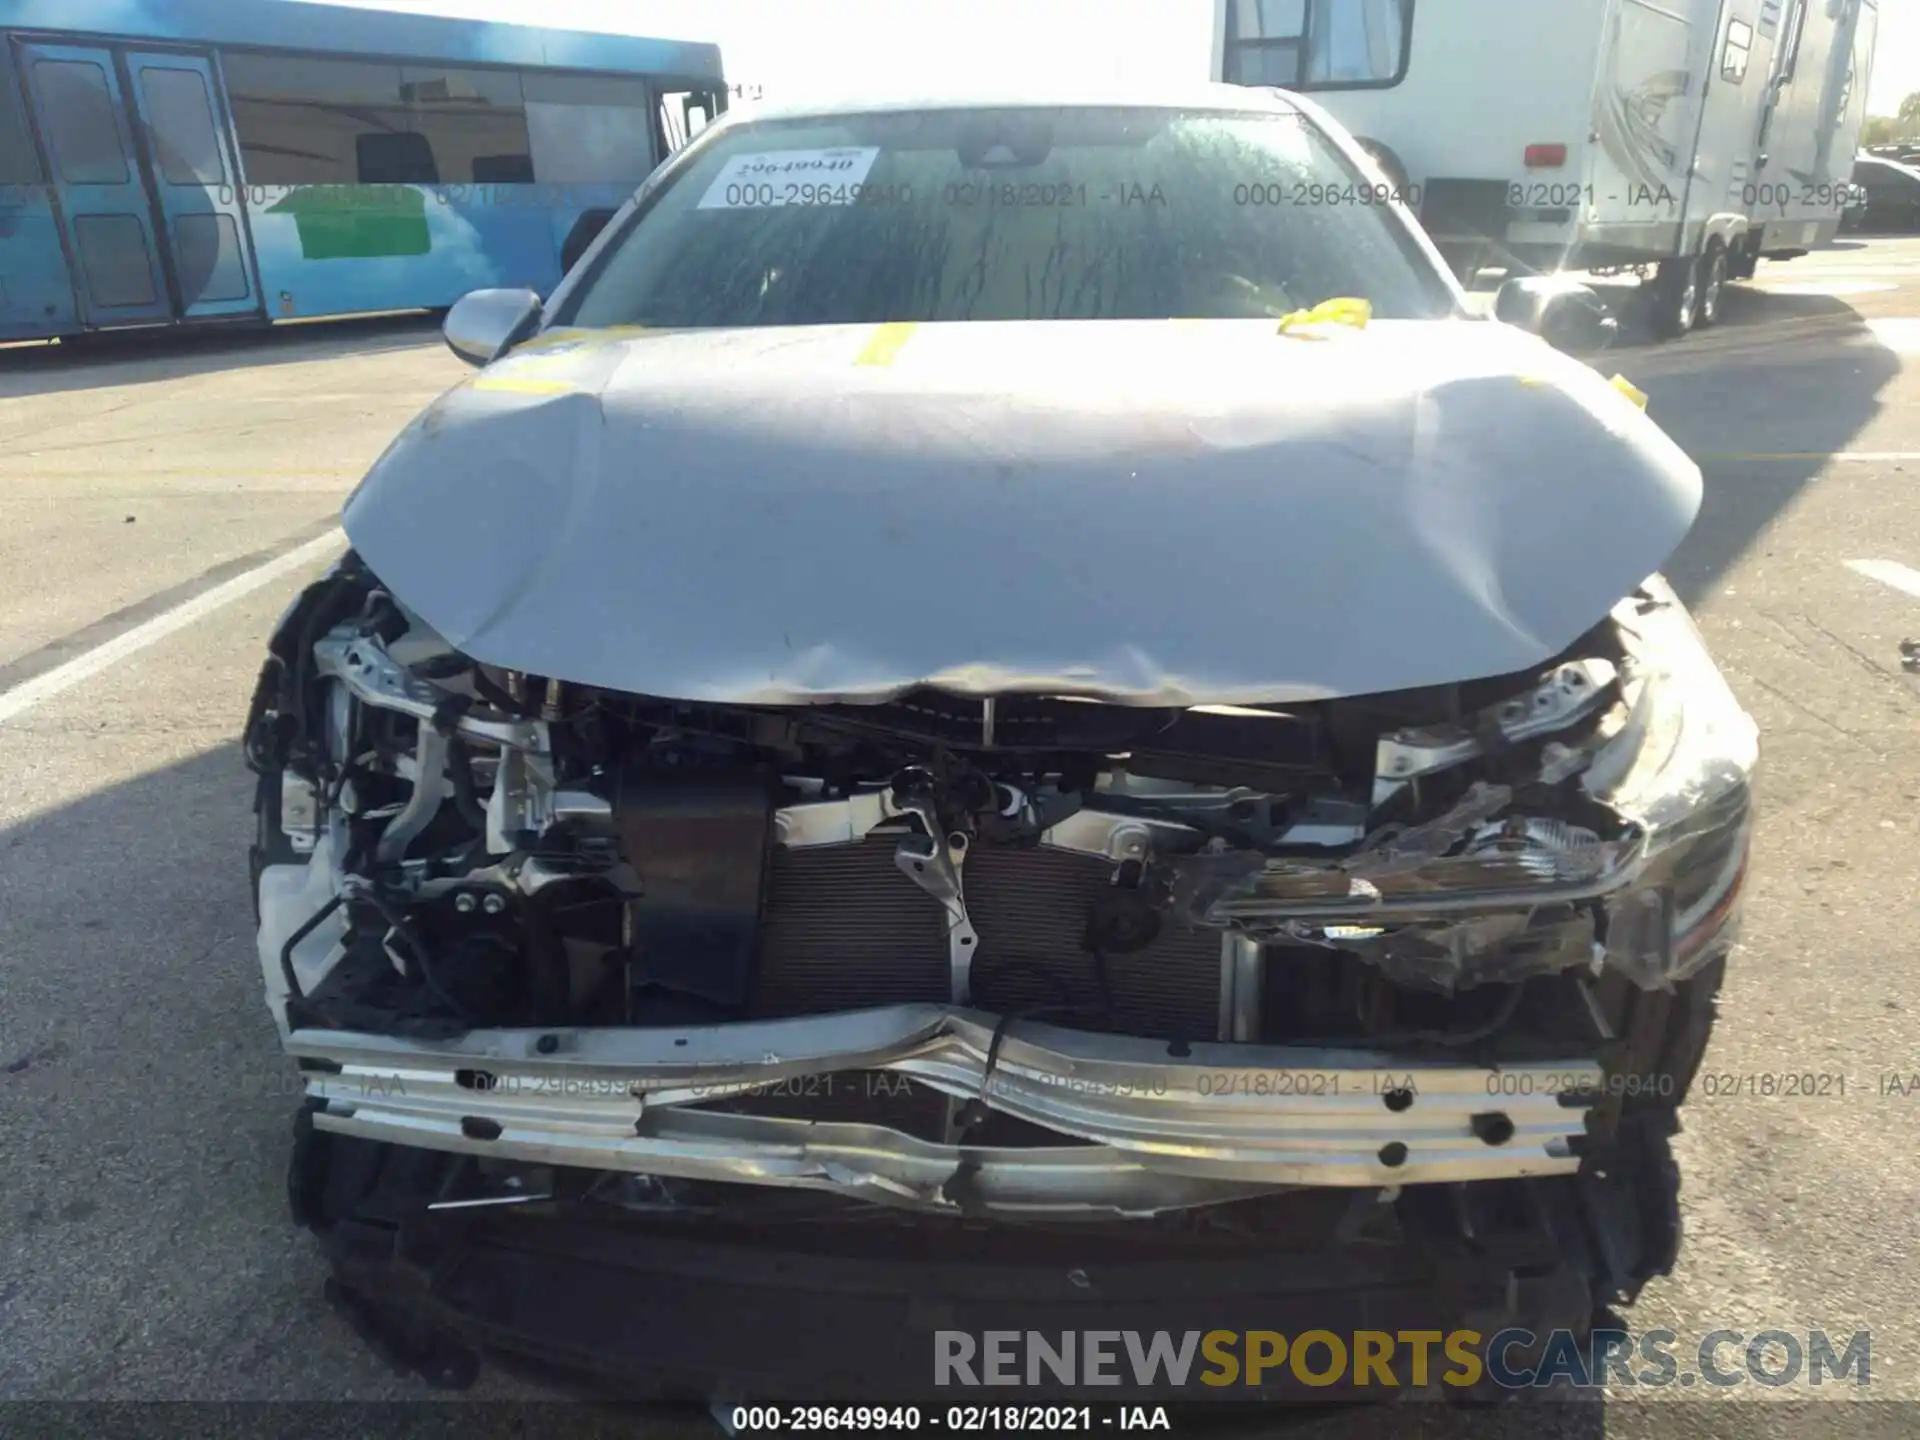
(1202, 513)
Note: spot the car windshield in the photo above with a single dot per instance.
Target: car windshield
(1010, 214)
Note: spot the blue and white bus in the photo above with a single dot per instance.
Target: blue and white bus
(169, 162)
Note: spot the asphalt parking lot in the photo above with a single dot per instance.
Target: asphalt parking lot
(145, 1249)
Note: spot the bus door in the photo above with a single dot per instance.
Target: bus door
(683, 114)
(143, 172)
(195, 183)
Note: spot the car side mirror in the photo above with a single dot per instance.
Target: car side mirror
(1565, 313)
(482, 323)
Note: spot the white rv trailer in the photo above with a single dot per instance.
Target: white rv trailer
(1692, 136)
(1817, 106)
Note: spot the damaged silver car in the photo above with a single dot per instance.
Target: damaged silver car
(996, 716)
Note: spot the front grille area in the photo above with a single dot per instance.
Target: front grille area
(1031, 908)
(845, 929)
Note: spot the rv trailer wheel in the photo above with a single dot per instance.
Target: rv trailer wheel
(1713, 278)
(1675, 294)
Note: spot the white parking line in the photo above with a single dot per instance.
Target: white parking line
(1903, 578)
(1872, 457)
(1835, 287)
(25, 696)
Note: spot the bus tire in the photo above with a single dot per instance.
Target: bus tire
(1675, 293)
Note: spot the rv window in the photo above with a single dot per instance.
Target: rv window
(1318, 44)
(18, 164)
(1356, 42)
(1733, 64)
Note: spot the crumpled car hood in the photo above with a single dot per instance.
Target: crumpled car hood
(1143, 512)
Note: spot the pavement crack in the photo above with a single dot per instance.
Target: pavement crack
(1867, 662)
(1808, 711)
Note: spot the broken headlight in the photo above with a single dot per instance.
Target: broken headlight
(1680, 767)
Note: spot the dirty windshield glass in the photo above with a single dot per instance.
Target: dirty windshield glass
(1014, 214)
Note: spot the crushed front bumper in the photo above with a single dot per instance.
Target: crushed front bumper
(1142, 1126)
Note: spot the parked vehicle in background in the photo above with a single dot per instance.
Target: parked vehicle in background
(1853, 216)
(251, 160)
(1889, 196)
(1690, 137)
(1816, 106)
(680, 929)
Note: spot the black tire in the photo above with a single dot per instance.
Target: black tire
(1630, 1182)
(1743, 260)
(1389, 164)
(1466, 262)
(1675, 293)
(1711, 282)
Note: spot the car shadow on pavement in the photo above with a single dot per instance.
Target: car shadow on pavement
(1760, 403)
(136, 357)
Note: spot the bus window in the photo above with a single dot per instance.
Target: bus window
(317, 122)
(394, 159)
(186, 145)
(474, 122)
(589, 129)
(85, 142)
(300, 121)
(18, 163)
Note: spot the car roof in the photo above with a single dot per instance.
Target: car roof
(1910, 171)
(1180, 97)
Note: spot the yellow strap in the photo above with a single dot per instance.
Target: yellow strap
(1345, 310)
(1626, 388)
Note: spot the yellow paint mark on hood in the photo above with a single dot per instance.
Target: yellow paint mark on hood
(518, 385)
(575, 339)
(886, 343)
(1626, 387)
(1344, 310)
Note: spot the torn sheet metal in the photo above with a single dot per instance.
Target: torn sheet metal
(1136, 511)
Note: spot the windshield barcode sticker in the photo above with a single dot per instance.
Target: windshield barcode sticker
(790, 177)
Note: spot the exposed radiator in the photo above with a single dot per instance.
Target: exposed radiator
(844, 929)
